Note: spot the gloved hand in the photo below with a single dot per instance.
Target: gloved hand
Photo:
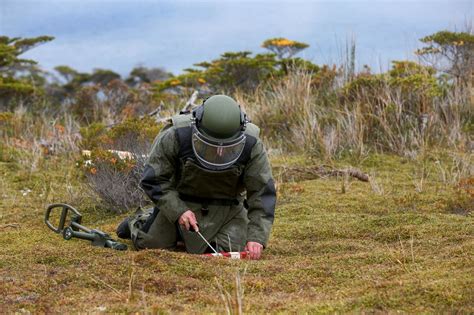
(188, 220)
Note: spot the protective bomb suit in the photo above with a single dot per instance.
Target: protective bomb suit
(215, 165)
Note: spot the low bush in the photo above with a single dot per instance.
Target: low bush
(114, 159)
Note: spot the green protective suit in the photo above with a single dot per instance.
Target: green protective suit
(232, 206)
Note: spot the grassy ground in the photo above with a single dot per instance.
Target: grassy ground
(403, 243)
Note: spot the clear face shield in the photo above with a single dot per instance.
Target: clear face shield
(217, 155)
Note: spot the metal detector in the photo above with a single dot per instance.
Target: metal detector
(75, 229)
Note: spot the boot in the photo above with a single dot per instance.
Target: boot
(123, 230)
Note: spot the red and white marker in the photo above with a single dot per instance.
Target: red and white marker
(231, 255)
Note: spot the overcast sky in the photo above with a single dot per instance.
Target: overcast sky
(119, 34)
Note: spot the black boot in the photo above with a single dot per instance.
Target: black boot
(123, 230)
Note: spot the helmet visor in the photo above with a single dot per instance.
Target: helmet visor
(214, 155)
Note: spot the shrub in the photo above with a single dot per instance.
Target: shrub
(116, 161)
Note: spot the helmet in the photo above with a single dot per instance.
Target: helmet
(218, 137)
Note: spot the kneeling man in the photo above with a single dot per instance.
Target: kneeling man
(207, 171)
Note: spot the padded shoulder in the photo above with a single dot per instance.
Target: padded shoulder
(252, 130)
(180, 121)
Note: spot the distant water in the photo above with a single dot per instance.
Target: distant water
(119, 35)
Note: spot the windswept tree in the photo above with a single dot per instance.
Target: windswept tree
(232, 71)
(73, 79)
(12, 48)
(146, 75)
(284, 48)
(17, 75)
(450, 52)
(104, 76)
(238, 70)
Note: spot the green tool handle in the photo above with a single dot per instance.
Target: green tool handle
(84, 235)
(80, 227)
(69, 233)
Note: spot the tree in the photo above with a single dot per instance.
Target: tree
(233, 70)
(103, 76)
(284, 48)
(13, 82)
(239, 70)
(11, 48)
(67, 73)
(289, 64)
(147, 75)
(74, 79)
(450, 52)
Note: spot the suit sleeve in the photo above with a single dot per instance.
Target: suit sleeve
(261, 195)
(158, 180)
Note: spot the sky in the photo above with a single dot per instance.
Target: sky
(122, 34)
